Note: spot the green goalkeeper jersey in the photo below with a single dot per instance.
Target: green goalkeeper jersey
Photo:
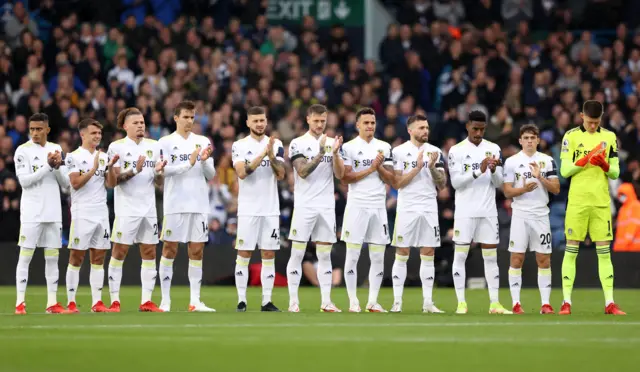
(589, 185)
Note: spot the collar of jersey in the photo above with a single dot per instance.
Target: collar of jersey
(584, 130)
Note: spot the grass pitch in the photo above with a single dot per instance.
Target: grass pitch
(313, 341)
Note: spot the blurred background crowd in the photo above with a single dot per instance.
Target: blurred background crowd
(520, 61)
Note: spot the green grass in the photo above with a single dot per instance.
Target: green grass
(314, 341)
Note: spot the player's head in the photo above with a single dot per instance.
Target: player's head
(90, 132)
(529, 138)
(132, 121)
(591, 115)
(39, 128)
(366, 122)
(475, 126)
(257, 120)
(418, 128)
(317, 119)
(184, 115)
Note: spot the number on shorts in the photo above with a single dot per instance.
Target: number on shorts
(436, 231)
(106, 234)
(385, 229)
(204, 227)
(155, 229)
(274, 235)
(545, 238)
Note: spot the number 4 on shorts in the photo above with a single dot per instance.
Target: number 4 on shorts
(274, 234)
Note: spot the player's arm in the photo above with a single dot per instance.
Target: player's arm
(436, 168)
(243, 167)
(303, 166)
(614, 162)
(387, 175)
(402, 180)
(276, 159)
(338, 163)
(174, 170)
(208, 168)
(551, 182)
(509, 177)
(351, 176)
(76, 179)
(60, 172)
(569, 166)
(459, 178)
(26, 178)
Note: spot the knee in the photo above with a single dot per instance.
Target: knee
(268, 255)
(516, 260)
(427, 251)
(98, 259)
(170, 250)
(120, 251)
(26, 254)
(376, 254)
(402, 251)
(148, 252)
(76, 257)
(544, 261)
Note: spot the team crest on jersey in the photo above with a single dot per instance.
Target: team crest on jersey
(542, 164)
(327, 148)
(380, 151)
(119, 234)
(22, 238)
(488, 154)
(198, 146)
(149, 153)
(102, 162)
(294, 232)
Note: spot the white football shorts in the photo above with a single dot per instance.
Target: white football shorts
(128, 230)
(534, 234)
(319, 224)
(89, 233)
(482, 230)
(365, 225)
(185, 228)
(263, 231)
(40, 235)
(416, 229)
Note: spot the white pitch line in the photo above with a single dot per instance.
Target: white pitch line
(315, 325)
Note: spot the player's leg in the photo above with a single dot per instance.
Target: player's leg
(324, 234)
(51, 240)
(246, 240)
(463, 230)
(398, 277)
(540, 242)
(96, 280)
(354, 227)
(487, 233)
(76, 256)
(198, 236)
(429, 241)
(174, 230)
(269, 243)
(124, 229)
(302, 223)
(147, 238)
(29, 236)
(518, 243)
(600, 232)
(407, 228)
(575, 228)
(377, 237)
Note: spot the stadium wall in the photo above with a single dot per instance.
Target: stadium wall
(219, 263)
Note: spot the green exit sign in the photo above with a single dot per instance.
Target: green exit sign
(326, 12)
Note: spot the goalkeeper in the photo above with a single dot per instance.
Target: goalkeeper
(589, 158)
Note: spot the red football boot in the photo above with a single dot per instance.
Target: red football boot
(149, 307)
(99, 307)
(21, 309)
(55, 309)
(546, 309)
(517, 309)
(72, 308)
(565, 309)
(115, 307)
(613, 309)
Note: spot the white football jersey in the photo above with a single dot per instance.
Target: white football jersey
(369, 192)
(421, 193)
(317, 190)
(185, 187)
(137, 196)
(518, 172)
(40, 200)
(258, 192)
(90, 201)
(474, 197)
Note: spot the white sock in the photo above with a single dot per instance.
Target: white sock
(459, 270)
(492, 273)
(399, 275)
(96, 280)
(515, 284)
(267, 278)
(427, 276)
(166, 274)
(544, 284)
(351, 271)
(115, 278)
(148, 275)
(376, 271)
(325, 272)
(294, 270)
(73, 278)
(195, 280)
(22, 273)
(51, 274)
(242, 277)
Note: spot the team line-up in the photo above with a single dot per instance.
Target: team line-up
(182, 162)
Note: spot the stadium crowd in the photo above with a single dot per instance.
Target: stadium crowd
(519, 61)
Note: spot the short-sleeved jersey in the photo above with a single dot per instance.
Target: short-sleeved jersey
(258, 192)
(317, 190)
(137, 196)
(590, 186)
(517, 171)
(478, 197)
(187, 191)
(40, 201)
(369, 192)
(90, 201)
(420, 194)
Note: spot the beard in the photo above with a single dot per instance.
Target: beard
(255, 132)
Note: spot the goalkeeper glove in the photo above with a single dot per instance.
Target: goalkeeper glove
(600, 161)
(585, 159)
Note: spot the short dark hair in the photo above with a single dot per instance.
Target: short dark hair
(412, 119)
(124, 114)
(39, 116)
(85, 123)
(256, 110)
(317, 109)
(592, 109)
(477, 115)
(364, 111)
(530, 128)
(184, 105)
